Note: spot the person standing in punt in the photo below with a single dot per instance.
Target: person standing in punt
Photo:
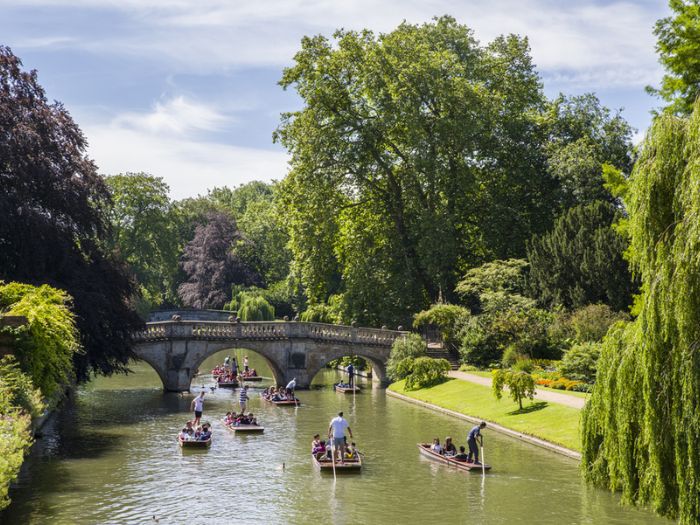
(198, 407)
(243, 398)
(351, 375)
(474, 434)
(336, 431)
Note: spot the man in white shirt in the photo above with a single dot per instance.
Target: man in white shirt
(336, 431)
(198, 407)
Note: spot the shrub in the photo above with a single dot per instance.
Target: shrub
(580, 362)
(591, 323)
(423, 372)
(408, 346)
(45, 346)
(520, 384)
(19, 399)
(256, 308)
(486, 337)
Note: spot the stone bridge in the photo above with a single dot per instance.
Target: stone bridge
(176, 348)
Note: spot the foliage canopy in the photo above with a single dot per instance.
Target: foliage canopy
(641, 427)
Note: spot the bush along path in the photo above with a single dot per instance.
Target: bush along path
(540, 393)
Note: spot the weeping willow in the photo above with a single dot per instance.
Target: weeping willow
(641, 428)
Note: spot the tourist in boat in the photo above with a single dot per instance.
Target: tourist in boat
(449, 447)
(472, 437)
(316, 446)
(252, 420)
(198, 407)
(245, 364)
(227, 360)
(234, 367)
(243, 398)
(352, 452)
(336, 431)
(184, 435)
(462, 456)
(205, 434)
(436, 446)
(351, 375)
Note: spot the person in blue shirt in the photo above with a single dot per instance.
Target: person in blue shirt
(474, 434)
(206, 433)
(351, 375)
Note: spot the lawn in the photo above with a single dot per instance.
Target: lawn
(555, 423)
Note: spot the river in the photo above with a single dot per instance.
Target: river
(110, 457)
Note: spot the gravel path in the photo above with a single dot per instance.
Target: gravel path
(542, 395)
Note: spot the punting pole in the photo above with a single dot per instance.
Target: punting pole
(333, 458)
(483, 463)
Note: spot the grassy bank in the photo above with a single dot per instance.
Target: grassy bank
(555, 423)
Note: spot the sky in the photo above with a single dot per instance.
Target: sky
(187, 89)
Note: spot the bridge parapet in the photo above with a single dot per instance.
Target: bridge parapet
(260, 331)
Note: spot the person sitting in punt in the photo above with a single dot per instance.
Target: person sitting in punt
(436, 447)
(449, 447)
(189, 431)
(351, 452)
(316, 444)
(205, 434)
(252, 420)
(462, 456)
(184, 436)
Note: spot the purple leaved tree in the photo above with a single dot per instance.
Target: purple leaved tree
(213, 263)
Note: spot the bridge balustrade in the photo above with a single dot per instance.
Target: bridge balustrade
(217, 330)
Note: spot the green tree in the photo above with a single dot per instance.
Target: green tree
(144, 234)
(415, 153)
(520, 384)
(580, 362)
(583, 136)
(525, 331)
(678, 46)
(448, 318)
(422, 372)
(409, 346)
(255, 308)
(641, 427)
(53, 205)
(484, 286)
(581, 260)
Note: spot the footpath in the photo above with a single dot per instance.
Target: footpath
(540, 394)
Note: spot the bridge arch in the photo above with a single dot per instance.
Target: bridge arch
(377, 364)
(260, 348)
(177, 348)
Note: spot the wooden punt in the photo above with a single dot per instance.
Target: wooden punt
(246, 429)
(347, 389)
(285, 403)
(227, 384)
(326, 465)
(461, 465)
(194, 444)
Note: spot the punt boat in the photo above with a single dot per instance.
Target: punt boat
(447, 460)
(194, 444)
(326, 465)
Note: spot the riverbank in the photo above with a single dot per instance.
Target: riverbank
(544, 424)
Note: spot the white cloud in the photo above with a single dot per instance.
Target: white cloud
(587, 40)
(174, 116)
(165, 143)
